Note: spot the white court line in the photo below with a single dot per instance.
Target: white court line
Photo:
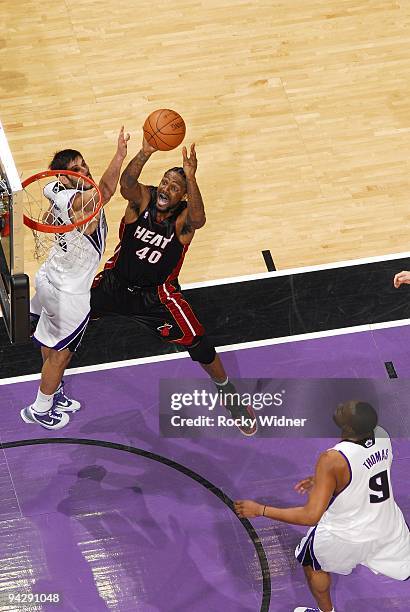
(222, 349)
(289, 271)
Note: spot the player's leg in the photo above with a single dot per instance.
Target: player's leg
(45, 351)
(179, 324)
(51, 405)
(215, 370)
(53, 369)
(319, 583)
(322, 553)
(202, 351)
(59, 331)
(43, 411)
(61, 400)
(44, 400)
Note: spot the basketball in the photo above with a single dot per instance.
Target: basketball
(164, 129)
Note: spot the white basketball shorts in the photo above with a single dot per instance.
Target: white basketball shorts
(62, 317)
(323, 550)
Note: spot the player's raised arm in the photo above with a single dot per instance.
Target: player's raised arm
(321, 493)
(193, 217)
(196, 211)
(131, 189)
(84, 201)
(109, 180)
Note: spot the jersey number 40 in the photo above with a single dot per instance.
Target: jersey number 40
(153, 256)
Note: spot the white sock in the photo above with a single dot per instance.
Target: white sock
(223, 383)
(43, 402)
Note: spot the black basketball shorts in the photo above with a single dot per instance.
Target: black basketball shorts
(162, 308)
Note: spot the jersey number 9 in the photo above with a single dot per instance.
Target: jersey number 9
(379, 483)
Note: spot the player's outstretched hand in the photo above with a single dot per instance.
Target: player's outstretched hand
(147, 148)
(190, 163)
(123, 139)
(304, 486)
(246, 508)
(401, 278)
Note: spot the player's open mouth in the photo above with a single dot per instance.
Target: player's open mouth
(162, 199)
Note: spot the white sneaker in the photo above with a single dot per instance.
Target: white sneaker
(306, 610)
(63, 403)
(49, 420)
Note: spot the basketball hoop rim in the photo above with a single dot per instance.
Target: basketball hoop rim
(33, 224)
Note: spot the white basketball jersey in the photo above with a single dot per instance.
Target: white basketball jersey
(365, 509)
(74, 257)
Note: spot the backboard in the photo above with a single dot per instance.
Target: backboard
(14, 284)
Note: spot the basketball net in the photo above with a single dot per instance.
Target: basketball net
(60, 226)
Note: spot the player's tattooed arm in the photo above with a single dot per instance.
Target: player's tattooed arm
(187, 228)
(133, 210)
(131, 188)
(134, 206)
(131, 173)
(196, 212)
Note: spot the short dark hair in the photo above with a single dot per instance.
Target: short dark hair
(62, 158)
(363, 419)
(179, 171)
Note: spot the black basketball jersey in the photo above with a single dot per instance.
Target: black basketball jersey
(149, 252)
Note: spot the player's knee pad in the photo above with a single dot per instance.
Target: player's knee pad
(202, 350)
